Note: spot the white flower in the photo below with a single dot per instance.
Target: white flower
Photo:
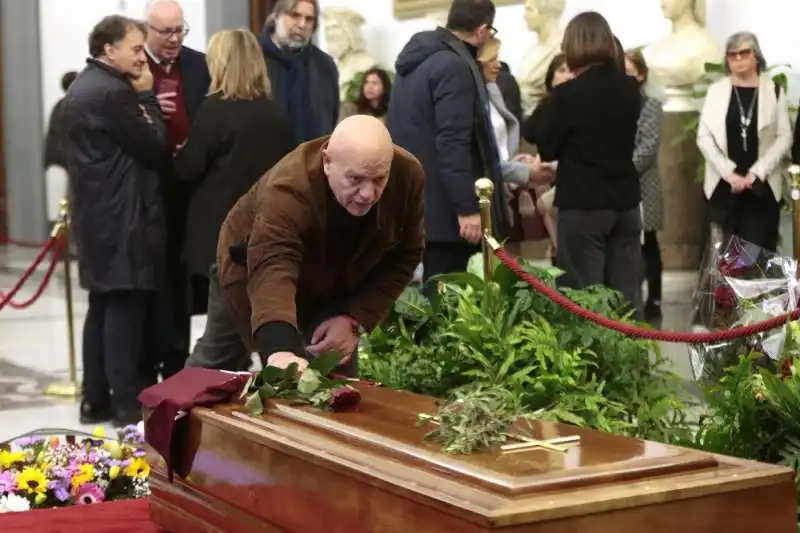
(13, 503)
(140, 427)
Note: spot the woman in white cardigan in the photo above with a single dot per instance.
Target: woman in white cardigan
(744, 134)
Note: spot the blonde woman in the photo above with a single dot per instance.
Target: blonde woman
(237, 135)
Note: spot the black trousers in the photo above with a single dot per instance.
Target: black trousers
(221, 346)
(444, 258)
(118, 337)
(601, 248)
(653, 266)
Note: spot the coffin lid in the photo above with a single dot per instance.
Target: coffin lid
(386, 425)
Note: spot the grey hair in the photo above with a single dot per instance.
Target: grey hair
(736, 40)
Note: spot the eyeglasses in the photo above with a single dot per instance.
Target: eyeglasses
(180, 31)
(740, 54)
(493, 30)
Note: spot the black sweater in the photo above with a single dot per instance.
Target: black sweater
(589, 127)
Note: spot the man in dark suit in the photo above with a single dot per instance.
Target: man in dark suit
(305, 80)
(180, 81)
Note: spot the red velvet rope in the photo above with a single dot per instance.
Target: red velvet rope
(639, 332)
(54, 246)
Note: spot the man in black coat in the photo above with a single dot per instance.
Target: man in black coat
(181, 81)
(305, 80)
(439, 113)
(115, 141)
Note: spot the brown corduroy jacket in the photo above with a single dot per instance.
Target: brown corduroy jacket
(290, 269)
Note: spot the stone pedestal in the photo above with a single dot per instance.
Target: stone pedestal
(684, 206)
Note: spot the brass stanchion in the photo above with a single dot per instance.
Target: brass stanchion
(67, 389)
(484, 188)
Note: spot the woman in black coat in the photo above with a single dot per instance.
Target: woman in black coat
(590, 129)
(238, 134)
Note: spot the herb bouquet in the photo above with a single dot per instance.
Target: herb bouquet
(740, 283)
(37, 472)
(312, 387)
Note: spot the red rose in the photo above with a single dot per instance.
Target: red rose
(725, 297)
(344, 399)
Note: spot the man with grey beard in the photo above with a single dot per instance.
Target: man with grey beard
(304, 79)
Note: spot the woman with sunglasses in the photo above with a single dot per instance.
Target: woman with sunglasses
(744, 134)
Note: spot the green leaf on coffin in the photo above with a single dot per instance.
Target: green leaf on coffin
(271, 374)
(266, 391)
(254, 405)
(325, 363)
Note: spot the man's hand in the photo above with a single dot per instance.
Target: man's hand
(145, 81)
(470, 228)
(749, 180)
(336, 334)
(284, 359)
(168, 105)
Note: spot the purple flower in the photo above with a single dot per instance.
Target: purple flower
(27, 442)
(60, 488)
(7, 482)
(89, 493)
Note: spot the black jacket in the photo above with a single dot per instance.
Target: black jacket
(589, 127)
(231, 144)
(306, 86)
(510, 91)
(439, 113)
(113, 152)
(195, 78)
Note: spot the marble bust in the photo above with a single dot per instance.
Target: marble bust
(678, 59)
(345, 43)
(543, 17)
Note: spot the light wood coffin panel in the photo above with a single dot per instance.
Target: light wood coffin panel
(299, 470)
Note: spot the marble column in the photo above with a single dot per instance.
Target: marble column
(684, 206)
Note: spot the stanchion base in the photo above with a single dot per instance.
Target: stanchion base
(63, 389)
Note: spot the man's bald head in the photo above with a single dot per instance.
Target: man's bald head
(166, 28)
(357, 161)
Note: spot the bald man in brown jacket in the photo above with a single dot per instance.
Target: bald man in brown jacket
(316, 252)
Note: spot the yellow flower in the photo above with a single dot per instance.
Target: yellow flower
(138, 468)
(113, 472)
(40, 498)
(114, 449)
(32, 481)
(100, 432)
(9, 459)
(85, 475)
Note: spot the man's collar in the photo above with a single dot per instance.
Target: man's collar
(157, 60)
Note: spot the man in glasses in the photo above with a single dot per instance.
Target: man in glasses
(180, 81)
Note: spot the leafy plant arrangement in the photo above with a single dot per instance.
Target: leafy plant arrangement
(56, 471)
(473, 420)
(754, 413)
(557, 366)
(311, 387)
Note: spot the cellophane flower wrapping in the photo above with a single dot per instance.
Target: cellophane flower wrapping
(740, 283)
(57, 471)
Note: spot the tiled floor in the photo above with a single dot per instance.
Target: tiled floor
(34, 353)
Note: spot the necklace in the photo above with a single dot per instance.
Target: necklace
(745, 119)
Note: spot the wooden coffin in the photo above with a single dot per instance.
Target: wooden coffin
(300, 470)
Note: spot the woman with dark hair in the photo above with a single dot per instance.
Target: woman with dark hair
(373, 98)
(645, 159)
(589, 127)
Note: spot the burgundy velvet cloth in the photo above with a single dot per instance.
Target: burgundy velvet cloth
(126, 516)
(191, 387)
